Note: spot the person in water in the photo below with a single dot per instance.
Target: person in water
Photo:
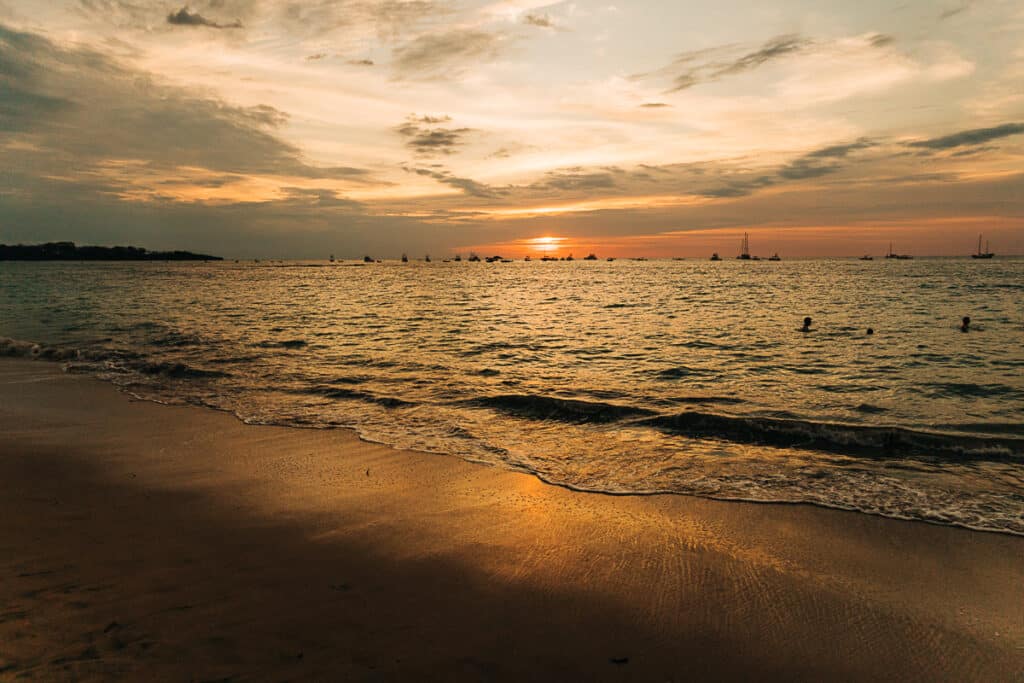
(807, 325)
(966, 324)
(870, 331)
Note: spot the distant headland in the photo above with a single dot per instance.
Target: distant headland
(69, 251)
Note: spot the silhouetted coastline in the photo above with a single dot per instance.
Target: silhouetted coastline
(69, 251)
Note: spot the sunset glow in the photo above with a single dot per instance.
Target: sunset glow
(546, 244)
(280, 128)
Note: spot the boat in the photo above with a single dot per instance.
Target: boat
(867, 257)
(569, 257)
(367, 259)
(775, 257)
(547, 257)
(405, 259)
(899, 257)
(590, 257)
(474, 258)
(427, 258)
(458, 258)
(716, 257)
(332, 258)
(745, 248)
(982, 254)
(527, 258)
(610, 259)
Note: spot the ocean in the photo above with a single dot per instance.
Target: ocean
(626, 377)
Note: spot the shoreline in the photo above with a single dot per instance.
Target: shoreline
(22, 351)
(186, 543)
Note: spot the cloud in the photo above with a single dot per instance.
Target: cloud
(317, 57)
(840, 151)
(266, 115)
(700, 69)
(426, 138)
(881, 40)
(82, 109)
(814, 164)
(431, 119)
(773, 49)
(654, 105)
(320, 197)
(576, 179)
(804, 168)
(541, 20)
(361, 62)
(442, 54)
(467, 185)
(335, 22)
(738, 188)
(958, 9)
(974, 136)
(709, 65)
(183, 17)
(822, 161)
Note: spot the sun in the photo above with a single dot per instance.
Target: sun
(546, 243)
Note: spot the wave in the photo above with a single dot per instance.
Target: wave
(16, 348)
(865, 441)
(356, 395)
(968, 389)
(175, 370)
(286, 344)
(175, 339)
(558, 409)
(678, 372)
(985, 427)
(732, 400)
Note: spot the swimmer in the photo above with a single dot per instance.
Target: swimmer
(870, 331)
(807, 325)
(966, 324)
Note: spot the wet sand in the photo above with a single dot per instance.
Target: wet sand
(149, 542)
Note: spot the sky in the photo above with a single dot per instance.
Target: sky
(288, 129)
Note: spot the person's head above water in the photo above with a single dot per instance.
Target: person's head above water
(871, 330)
(966, 323)
(807, 323)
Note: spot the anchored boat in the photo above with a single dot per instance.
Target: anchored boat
(982, 254)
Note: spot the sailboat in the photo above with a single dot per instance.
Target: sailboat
(982, 254)
(775, 257)
(405, 258)
(900, 257)
(745, 248)
(716, 257)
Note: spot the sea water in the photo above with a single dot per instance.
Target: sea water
(689, 377)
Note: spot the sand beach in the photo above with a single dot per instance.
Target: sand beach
(149, 542)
